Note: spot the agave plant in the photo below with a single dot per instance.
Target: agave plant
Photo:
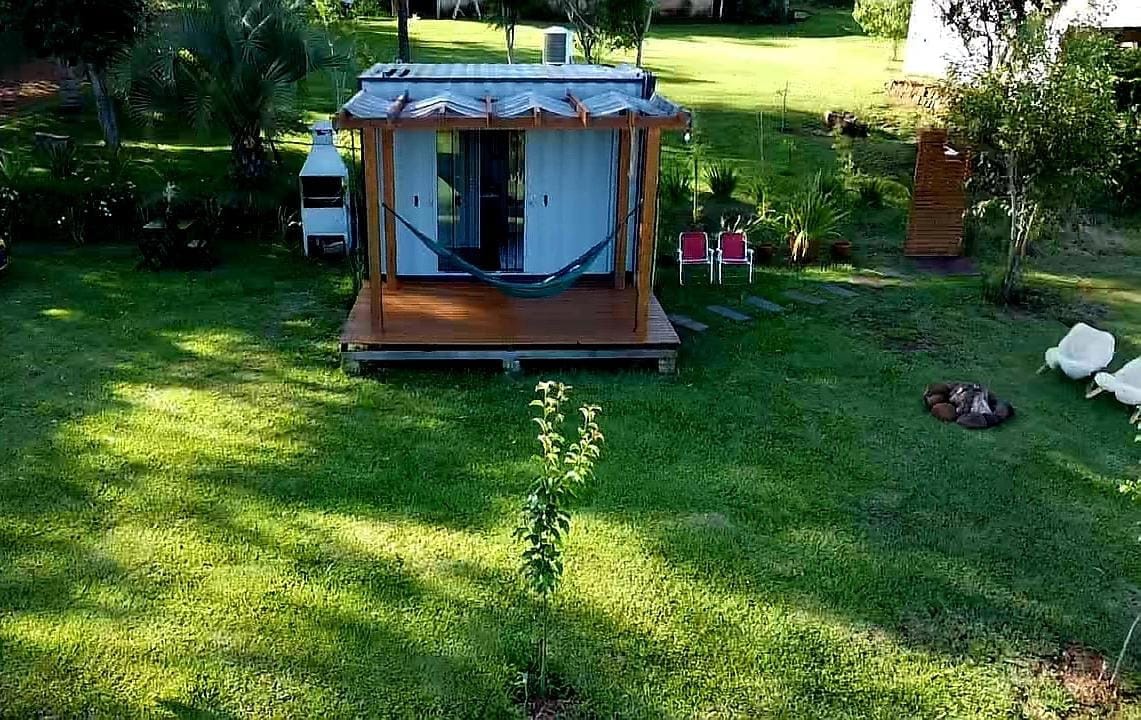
(234, 64)
(812, 216)
(722, 179)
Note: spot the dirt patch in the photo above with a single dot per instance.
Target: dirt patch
(27, 84)
(560, 701)
(1085, 675)
(550, 709)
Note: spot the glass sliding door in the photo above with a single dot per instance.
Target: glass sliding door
(480, 191)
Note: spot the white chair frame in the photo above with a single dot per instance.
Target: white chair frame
(722, 262)
(681, 262)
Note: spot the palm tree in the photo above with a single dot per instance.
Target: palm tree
(234, 64)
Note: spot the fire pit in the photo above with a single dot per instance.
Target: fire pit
(968, 404)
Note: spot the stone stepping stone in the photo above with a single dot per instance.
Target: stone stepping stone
(868, 281)
(894, 273)
(762, 304)
(685, 321)
(839, 291)
(729, 313)
(801, 297)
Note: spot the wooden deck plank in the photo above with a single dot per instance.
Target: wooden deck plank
(443, 315)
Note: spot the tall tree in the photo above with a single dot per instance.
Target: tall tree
(234, 64)
(404, 45)
(988, 28)
(627, 23)
(884, 18)
(505, 15)
(89, 33)
(589, 20)
(1043, 125)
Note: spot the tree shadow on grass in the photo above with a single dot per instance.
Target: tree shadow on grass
(213, 452)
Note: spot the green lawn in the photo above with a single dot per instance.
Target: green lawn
(201, 516)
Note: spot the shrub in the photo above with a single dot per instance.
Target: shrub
(545, 521)
(676, 185)
(871, 190)
(812, 216)
(722, 179)
(63, 162)
(830, 185)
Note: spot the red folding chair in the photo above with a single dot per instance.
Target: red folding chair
(693, 249)
(733, 249)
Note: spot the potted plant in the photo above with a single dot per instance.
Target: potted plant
(812, 217)
(841, 250)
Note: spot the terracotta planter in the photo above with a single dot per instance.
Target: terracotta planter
(841, 250)
(765, 253)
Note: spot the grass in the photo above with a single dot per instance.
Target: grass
(202, 517)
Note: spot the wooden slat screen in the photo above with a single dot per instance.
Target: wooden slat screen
(938, 198)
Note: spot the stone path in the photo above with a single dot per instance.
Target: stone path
(685, 321)
(729, 313)
(762, 304)
(868, 281)
(839, 291)
(801, 297)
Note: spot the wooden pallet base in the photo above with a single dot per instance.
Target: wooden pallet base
(462, 322)
(512, 360)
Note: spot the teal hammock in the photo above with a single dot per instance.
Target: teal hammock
(551, 285)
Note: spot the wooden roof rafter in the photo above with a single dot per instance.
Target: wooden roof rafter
(396, 108)
(583, 113)
(538, 118)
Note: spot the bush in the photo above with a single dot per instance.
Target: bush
(63, 162)
(68, 204)
(812, 216)
(722, 179)
(676, 186)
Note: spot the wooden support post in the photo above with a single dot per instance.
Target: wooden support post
(372, 202)
(622, 209)
(388, 164)
(647, 230)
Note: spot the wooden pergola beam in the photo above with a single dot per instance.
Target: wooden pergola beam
(583, 114)
(396, 108)
(621, 210)
(647, 229)
(447, 122)
(372, 203)
(388, 169)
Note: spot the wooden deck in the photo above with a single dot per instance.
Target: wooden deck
(447, 320)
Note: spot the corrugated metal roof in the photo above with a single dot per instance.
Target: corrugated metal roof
(370, 105)
(445, 104)
(526, 104)
(500, 72)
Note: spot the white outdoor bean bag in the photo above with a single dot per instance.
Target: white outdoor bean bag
(1084, 351)
(1125, 384)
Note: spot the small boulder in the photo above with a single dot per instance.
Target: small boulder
(945, 411)
(974, 421)
(938, 389)
(1003, 410)
(933, 400)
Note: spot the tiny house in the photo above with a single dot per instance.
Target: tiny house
(480, 178)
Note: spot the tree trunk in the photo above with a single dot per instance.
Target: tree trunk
(405, 47)
(509, 33)
(642, 35)
(1023, 218)
(249, 161)
(104, 106)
